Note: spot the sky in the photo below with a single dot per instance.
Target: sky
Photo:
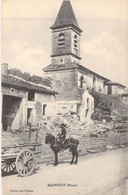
(26, 35)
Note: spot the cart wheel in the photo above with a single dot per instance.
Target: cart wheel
(25, 162)
(8, 166)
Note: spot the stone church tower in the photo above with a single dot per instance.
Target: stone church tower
(65, 36)
(65, 60)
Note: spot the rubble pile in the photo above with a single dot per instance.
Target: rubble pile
(71, 121)
(94, 136)
(102, 112)
(101, 115)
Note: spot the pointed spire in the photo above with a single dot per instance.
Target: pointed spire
(66, 17)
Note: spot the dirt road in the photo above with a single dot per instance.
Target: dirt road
(102, 174)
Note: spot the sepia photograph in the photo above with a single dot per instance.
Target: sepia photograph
(64, 97)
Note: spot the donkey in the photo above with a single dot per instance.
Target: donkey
(56, 147)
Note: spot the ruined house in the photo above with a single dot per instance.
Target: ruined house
(25, 102)
(70, 78)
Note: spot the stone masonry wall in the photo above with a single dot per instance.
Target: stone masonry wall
(61, 50)
(64, 82)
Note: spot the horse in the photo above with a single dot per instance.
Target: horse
(56, 146)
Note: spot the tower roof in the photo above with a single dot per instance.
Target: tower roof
(66, 17)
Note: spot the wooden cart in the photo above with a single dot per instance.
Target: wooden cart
(21, 158)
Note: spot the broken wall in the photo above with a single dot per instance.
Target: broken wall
(86, 107)
(45, 106)
(66, 107)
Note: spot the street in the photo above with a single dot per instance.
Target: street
(101, 174)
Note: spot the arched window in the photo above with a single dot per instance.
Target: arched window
(61, 36)
(61, 40)
(81, 81)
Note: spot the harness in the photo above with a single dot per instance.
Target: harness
(54, 143)
(67, 144)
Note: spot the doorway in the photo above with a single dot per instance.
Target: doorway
(29, 116)
(109, 89)
(10, 108)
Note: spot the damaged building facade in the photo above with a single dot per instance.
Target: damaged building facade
(70, 79)
(25, 102)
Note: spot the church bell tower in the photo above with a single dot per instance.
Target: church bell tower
(65, 36)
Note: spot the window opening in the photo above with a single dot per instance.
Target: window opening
(44, 109)
(94, 80)
(29, 116)
(109, 89)
(86, 114)
(75, 36)
(81, 81)
(75, 44)
(61, 60)
(31, 96)
(75, 41)
(61, 40)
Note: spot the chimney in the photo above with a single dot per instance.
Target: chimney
(4, 68)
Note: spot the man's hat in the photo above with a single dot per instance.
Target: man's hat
(63, 125)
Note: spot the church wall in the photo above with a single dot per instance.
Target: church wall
(70, 95)
(64, 59)
(75, 60)
(98, 85)
(65, 83)
(57, 59)
(67, 42)
(75, 41)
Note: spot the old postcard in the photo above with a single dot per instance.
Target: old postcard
(64, 97)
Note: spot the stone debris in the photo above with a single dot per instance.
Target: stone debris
(101, 115)
(92, 150)
(109, 147)
(94, 136)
